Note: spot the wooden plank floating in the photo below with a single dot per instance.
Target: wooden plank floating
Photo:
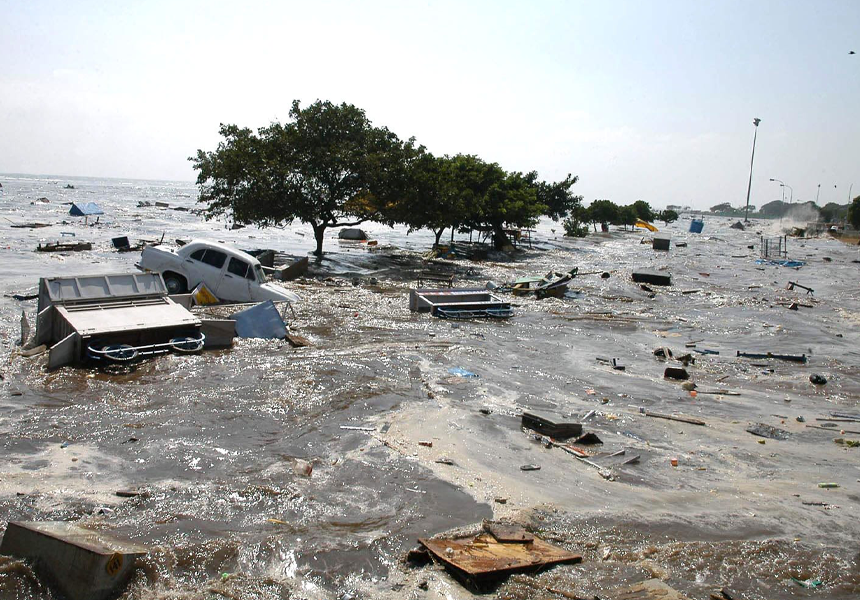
(689, 420)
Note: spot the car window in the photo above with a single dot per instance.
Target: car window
(261, 275)
(198, 254)
(240, 268)
(214, 258)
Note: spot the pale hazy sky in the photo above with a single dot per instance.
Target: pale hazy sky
(642, 99)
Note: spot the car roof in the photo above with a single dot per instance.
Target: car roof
(228, 250)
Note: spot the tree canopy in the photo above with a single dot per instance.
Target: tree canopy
(832, 212)
(327, 167)
(643, 211)
(603, 212)
(668, 216)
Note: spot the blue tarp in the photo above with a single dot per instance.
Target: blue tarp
(85, 209)
(461, 372)
(260, 321)
(782, 263)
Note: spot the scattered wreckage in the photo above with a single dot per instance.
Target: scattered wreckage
(551, 285)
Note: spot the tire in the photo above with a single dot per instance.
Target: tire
(175, 284)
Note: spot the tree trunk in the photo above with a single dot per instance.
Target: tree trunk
(319, 233)
(500, 238)
(438, 233)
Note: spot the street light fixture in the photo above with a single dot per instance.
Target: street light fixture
(782, 185)
(756, 121)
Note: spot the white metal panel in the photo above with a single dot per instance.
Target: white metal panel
(65, 351)
(45, 326)
(102, 320)
(98, 287)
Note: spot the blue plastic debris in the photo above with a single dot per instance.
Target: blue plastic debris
(85, 209)
(461, 372)
(782, 263)
(260, 321)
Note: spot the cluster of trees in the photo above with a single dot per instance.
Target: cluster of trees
(606, 212)
(727, 210)
(329, 166)
(829, 213)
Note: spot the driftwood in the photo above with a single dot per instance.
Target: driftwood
(689, 420)
(833, 429)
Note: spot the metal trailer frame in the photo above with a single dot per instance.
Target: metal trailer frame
(114, 318)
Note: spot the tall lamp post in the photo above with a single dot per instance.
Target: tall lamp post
(756, 121)
(782, 185)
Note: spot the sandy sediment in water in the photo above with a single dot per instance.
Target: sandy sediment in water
(218, 435)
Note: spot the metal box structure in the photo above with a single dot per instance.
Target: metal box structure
(459, 303)
(115, 318)
(661, 242)
(83, 564)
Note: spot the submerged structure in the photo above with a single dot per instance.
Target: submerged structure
(459, 303)
(113, 318)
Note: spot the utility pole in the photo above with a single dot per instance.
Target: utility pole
(756, 121)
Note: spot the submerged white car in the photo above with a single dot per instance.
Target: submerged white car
(230, 274)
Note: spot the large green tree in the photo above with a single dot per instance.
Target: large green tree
(556, 196)
(603, 212)
(510, 201)
(442, 192)
(328, 166)
(668, 216)
(643, 210)
(832, 212)
(627, 215)
(854, 213)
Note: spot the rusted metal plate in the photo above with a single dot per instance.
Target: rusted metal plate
(507, 533)
(653, 589)
(484, 556)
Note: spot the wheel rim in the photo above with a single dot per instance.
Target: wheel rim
(119, 352)
(186, 344)
(174, 286)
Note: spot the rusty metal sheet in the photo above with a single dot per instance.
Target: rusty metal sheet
(507, 533)
(483, 555)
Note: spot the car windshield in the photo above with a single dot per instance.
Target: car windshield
(261, 275)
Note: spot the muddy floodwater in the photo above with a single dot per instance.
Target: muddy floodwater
(267, 471)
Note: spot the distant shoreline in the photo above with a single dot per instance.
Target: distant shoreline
(90, 177)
